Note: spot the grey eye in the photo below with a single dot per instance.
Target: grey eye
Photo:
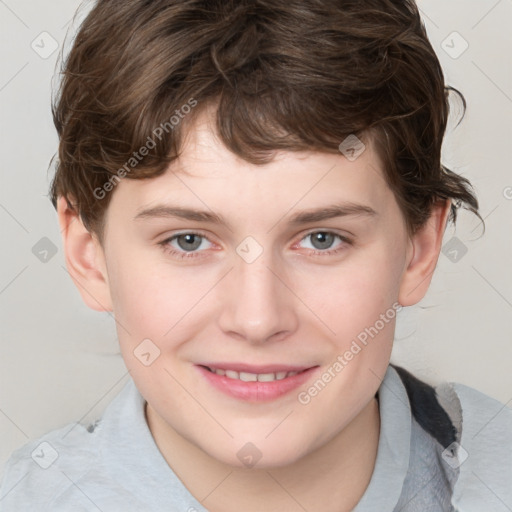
(191, 241)
(322, 239)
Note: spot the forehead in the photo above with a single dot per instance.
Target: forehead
(208, 176)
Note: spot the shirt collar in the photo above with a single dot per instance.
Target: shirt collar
(393, 452)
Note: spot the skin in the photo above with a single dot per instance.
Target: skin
(289, 306)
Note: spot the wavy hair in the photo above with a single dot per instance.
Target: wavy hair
(283, 75)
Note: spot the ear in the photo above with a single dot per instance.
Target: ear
(85, 259)
(424, 249)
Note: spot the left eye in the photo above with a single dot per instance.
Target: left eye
(323, 240)
(187, 242)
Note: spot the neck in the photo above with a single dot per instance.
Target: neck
(331, 478)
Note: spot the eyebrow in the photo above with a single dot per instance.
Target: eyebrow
(304, 217)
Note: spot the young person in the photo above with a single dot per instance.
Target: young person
(254, 189)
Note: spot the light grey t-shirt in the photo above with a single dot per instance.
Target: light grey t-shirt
(115, 465)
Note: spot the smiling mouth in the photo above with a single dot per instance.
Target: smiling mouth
(252, 377)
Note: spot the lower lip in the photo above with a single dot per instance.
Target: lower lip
(256, 391)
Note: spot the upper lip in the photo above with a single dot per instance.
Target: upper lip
(250, 368)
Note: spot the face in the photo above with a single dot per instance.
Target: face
(256, 293)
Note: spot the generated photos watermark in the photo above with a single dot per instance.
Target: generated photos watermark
(305, 397)
(137, 156)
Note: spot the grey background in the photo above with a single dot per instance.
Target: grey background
(59, 360)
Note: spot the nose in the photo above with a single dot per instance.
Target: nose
(258, 303)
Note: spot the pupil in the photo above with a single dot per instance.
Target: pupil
(325, 240)
(190, 245)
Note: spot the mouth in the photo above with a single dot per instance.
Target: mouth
(255, 383)
(253, 377)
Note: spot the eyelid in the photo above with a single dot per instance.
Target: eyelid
(173, 237)
(327, 230)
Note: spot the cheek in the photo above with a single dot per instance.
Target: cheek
(361, 311)
(354, 295)
(153, 306)
(149, 299)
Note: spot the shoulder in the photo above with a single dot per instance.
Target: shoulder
(475, 432)
(45, 468)
(485, 452)
(474, 400)
(77, 467)
(452, 411)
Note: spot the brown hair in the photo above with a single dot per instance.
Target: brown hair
(283, 75)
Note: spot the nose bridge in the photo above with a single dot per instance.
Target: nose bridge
(259, 305)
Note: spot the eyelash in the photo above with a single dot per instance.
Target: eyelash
(165, 244)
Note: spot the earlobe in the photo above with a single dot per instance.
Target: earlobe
(425, 246)
(85, 259)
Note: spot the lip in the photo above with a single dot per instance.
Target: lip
(256, 391)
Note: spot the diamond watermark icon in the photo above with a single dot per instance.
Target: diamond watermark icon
(454, 45)
(249, 249)
(146, 352)
(249, 455)
(352, 147)
(454, 249)
(44, 45)
(454, 455)
(44, 455)
(44, 250)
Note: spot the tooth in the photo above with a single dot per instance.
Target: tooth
(266, 377)
(248, 377)
(253, 377)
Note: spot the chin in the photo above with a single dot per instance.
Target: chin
(259, 454)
